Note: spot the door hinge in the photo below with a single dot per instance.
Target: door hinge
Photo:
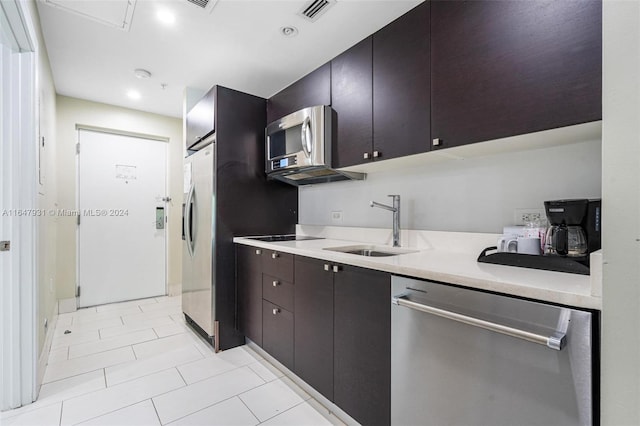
(5, 245)
(78, 148)
(78, 291)
(78, 220)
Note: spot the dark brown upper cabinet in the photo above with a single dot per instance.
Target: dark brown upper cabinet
(352, 100)
(312, 89)
(504, 68)
(401, 86)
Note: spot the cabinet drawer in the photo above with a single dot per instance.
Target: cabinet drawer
(278, 265)
(277, 333)
(277, 291)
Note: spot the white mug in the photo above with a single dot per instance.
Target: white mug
(508, 244)
(528, 245)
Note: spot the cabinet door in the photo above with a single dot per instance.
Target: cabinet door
(249, 276)
(503, 68)
(352, 99)
(362, 339)
(311, 90)
(201, 118)
(313, 337)
(401, 86)
(277, 337)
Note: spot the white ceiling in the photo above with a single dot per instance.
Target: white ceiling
(237, 44)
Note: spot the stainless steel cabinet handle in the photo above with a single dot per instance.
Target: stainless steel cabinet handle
(258, 251)
(276, 311)
(377, 154)
(276, 283)
(336, 268)
(274, 255)
(365, 155)
(326, 267)
(555, 341)
(437, 142)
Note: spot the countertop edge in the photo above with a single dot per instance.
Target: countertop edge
(566, 298)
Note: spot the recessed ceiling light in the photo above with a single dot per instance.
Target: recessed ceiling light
(141, 73)
(133, 94)
(289, 31)
(166, 16)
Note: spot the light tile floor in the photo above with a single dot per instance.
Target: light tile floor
(137, 363)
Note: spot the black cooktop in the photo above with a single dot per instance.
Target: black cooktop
(275, 238)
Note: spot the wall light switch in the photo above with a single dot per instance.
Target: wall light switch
(336, 217)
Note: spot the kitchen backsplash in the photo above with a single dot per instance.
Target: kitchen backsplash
(471, 195)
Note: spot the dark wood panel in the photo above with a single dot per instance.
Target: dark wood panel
(278, 265)
(312, 89)
(313, 336)
(352, 100)
(278, 291)
(277, 337)
(401, 86)
(362, 344)
(246, 204)
(503, 68)
(201, 118)
(249, 281)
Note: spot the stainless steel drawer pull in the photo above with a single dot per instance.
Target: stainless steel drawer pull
(276, 311)
(336, 268)
(276, 283)
(326, 267)
(258, 251)
(274, 255)
(555, 341)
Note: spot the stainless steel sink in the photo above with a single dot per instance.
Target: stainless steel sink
(371, 251)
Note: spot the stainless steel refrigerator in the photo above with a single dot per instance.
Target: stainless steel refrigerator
(226, 194)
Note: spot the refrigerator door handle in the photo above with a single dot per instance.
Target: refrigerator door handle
(187, 220)
(555, 341)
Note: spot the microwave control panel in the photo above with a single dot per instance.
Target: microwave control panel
(284, 162)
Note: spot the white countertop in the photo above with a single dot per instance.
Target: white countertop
(449, 257)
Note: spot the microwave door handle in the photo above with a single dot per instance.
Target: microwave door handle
(306, 136)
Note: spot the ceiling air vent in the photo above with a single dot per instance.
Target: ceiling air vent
(205, 4)
(313, 10)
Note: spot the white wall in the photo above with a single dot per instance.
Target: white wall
(470, 195)
(72, 112)
(621, 214)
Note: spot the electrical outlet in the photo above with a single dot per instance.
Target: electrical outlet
(336, 216)
(524, 216)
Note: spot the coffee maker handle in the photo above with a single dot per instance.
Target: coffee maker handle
(562, 241)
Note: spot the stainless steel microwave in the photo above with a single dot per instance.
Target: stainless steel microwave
(299, 147)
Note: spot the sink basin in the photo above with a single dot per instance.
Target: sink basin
(371, 251)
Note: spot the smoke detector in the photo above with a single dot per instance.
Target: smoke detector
(142, 74)
(315, 8)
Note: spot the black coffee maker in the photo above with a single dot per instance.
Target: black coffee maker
(574, 228)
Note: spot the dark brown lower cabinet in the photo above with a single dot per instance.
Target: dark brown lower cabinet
(249, 281)
(362, 344)
(277, 333)
(313, 336)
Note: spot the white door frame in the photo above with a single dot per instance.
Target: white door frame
(18, 301)
(158, 138)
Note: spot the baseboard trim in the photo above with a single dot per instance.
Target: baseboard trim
(67, 305)
(43, 358)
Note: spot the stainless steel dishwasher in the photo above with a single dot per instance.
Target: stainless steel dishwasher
(465, 357)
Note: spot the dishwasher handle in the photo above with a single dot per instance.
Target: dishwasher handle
(555, 341)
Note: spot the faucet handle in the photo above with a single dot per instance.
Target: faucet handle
(394, 195)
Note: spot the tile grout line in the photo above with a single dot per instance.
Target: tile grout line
(61, 408)
(288, 409)
(250, 410)
(181, 376)
(112, 349)
(156, 410)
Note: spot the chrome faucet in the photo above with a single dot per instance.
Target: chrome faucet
(396, 217)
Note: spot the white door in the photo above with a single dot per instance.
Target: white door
(121, 235)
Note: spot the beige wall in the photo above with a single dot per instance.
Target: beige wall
(47, 191)
(621, 214)
(72, 112)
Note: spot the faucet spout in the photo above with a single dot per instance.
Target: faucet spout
(396, 216)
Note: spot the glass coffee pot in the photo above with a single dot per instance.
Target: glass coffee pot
(565, 235)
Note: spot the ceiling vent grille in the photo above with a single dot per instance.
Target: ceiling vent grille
(204, 4)
(316, 8)
(201, 3)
